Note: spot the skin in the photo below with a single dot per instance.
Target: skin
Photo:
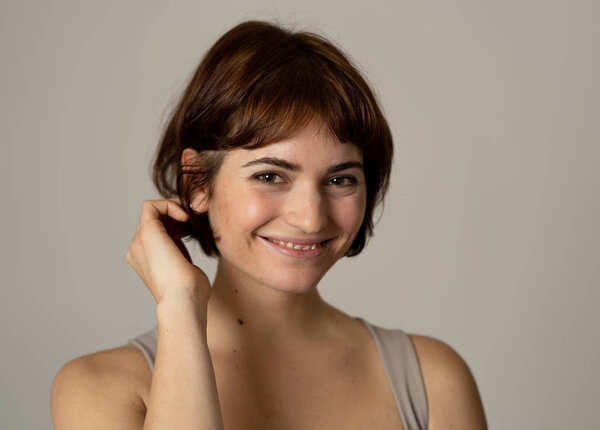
(259, 348)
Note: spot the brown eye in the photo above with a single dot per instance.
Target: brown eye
(268, 178)
(343, 181)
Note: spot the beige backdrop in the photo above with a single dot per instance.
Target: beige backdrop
(489, 239)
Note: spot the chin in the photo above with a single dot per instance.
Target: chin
(294, 284)
(272, 274)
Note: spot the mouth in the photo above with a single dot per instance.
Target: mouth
(297, 247)
(294, 245)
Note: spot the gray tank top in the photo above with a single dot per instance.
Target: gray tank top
(399, 360)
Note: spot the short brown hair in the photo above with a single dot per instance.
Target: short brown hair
(258, 84)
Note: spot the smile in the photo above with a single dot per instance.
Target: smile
(291, 245)
(303, 249)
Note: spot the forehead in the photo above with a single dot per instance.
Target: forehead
(311, 145)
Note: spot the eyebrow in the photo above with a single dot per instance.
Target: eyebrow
(297, 168)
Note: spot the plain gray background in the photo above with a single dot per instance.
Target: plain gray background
(489, 239)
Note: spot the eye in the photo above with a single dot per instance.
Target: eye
(343, 181)
(268, 178)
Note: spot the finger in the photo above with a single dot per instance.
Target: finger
(176, 229)
(153, 209)
(160, 247)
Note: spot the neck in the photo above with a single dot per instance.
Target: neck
(252, 313)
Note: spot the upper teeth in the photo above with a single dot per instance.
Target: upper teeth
(294, 245)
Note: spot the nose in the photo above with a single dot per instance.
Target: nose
(306, 209)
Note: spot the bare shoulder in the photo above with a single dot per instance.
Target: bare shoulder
(103, 390)
(452, 394)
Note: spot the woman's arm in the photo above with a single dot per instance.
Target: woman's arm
(452, 395)
(94, 392)
(184, 390)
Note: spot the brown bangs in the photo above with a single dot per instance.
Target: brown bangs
(275, 87)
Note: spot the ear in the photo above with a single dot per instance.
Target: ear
(199, 197)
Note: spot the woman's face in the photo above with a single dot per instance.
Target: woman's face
(283, 214)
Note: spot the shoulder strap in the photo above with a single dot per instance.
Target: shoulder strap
(147, 344)
(404, 373)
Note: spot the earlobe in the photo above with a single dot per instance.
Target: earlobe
(199, 202)
(198, 197)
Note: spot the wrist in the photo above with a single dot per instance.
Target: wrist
(181, 308)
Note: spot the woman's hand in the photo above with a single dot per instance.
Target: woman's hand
(159, 256)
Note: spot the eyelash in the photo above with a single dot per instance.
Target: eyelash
(350, 180)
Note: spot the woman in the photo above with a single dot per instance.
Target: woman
(274, 160)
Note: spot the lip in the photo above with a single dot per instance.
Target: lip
(297, 253)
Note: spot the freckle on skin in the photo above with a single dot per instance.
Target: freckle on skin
(235, 290)
(234, 350)
(240, 321)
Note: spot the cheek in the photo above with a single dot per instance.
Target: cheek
(242, 211)
(257, 208)
(349, 214)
